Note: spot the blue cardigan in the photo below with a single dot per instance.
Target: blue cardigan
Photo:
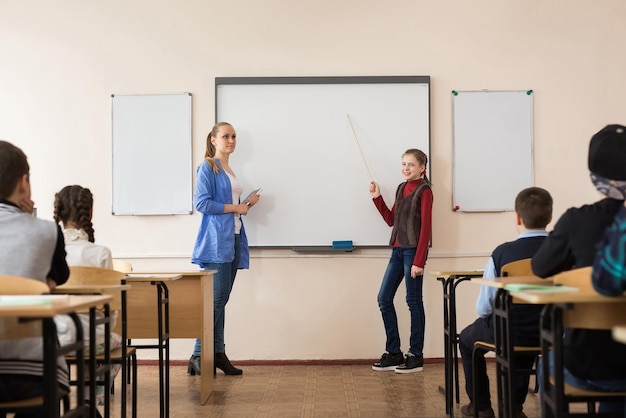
(215, 242)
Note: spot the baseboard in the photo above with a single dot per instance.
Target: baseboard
(336, 362)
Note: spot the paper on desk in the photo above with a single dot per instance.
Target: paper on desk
(538, 288)
(25, 300)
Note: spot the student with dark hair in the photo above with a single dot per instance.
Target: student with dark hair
(32, 248)
(592, 359)
(533, 212)
(73, 210)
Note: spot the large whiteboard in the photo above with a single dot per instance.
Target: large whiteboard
(295, 141)
(152, 161)
(493, 149)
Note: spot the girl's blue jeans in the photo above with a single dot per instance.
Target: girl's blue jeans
(223, 282)
(399, 268)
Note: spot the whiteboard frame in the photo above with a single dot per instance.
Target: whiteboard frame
(339, 128)
(487, 174)
(152, 154)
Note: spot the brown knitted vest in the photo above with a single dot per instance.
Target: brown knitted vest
(408, 217)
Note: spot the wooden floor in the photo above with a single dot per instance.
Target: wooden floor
(305, 391)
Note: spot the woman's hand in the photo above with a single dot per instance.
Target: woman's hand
(374, 189)
(242, 208)
(416, 271)
(253, 199)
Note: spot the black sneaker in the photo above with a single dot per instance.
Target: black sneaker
(412, 364)
(388, 362)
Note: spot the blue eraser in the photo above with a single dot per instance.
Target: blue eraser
(342, 245)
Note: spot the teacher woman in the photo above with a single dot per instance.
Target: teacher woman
(221, 243)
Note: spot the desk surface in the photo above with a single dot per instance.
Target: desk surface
(579, 296)
(184, 273)
(501, 282)
(78, 289)
(40, 306)
(458, 273)
(152, 277)
(619, 333)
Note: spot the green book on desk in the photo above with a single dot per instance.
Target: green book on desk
(538, 288)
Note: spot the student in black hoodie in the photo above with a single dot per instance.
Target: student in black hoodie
(592, 359)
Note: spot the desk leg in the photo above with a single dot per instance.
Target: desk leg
(50, 396)
(124, 351)
(447, 389)
(454, 336)
(160, 303)
(164, 343)
(92, 362)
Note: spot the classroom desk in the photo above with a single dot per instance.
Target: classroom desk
(450, 280)
(190, 315)
(503, 338)
(552, 327)
(93, 288)
(159, 281)
(619, 333)
(44, 308)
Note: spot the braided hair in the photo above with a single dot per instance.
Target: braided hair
(73, 206)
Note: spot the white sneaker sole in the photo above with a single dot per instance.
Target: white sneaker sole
(384, 369)
(413, 370)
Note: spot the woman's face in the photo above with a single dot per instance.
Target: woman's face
(411, 168)
(225, 140)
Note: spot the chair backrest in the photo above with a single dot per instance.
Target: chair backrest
(601, 315)
(89, 275)
(123, 266)
(580, 278)
(517, 268)
(12, 328)
(14, 285)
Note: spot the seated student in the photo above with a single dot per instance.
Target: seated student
(73, 209)
(533, 212)
(592, 359)
(33, 248)
(609, 265)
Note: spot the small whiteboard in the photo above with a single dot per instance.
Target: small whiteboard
(493, 149)
(152, 162)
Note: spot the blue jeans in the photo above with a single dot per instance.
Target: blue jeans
(614, 385)
(399, 268)
(483, 330)
(223, 282)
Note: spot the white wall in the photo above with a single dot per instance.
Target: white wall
(60, 61)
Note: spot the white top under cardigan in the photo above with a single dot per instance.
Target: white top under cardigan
(82, 252)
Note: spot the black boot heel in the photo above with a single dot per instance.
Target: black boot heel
(222, 363)
(194, 366)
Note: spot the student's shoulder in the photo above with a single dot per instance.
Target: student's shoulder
(599, 210)
(47, 226)
(520, 242)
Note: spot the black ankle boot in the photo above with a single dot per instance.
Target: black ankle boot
(222, 363)
(194, 366)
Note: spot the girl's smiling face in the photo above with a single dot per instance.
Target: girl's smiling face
(411, 168)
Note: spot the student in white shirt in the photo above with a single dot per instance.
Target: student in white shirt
(73, 210)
